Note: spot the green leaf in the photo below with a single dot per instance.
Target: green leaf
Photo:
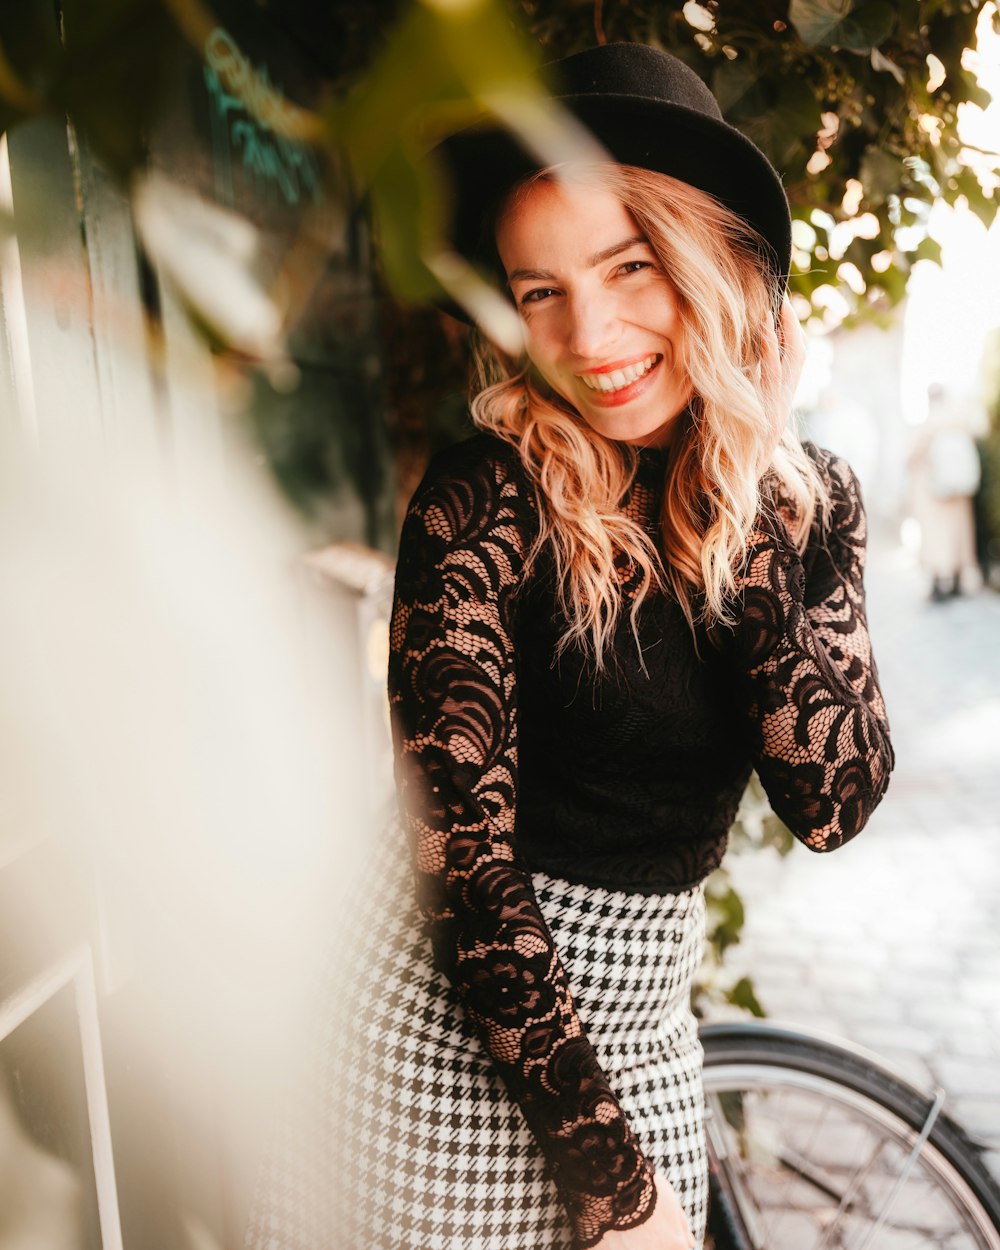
(408, 212)
(983, 205)
(742, 994)
(948, 34)
(880, 174)
(440, 68)
(891, 281)
(726, 909)
(860, 252)
(841, 23)
(928, 249)
(731, 82)
(409, 76)
(776, 833)
(781, 116)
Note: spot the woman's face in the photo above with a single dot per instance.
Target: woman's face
(601, 318)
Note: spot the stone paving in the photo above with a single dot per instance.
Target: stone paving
(893, 942)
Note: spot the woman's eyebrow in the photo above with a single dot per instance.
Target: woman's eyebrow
(598, 258)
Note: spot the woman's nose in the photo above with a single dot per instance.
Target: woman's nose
(592, 326)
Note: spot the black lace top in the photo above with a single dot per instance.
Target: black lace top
(508, 762)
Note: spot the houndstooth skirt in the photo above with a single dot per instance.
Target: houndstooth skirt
(402, 1136)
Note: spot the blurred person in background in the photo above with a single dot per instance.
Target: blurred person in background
(986, 502)
(631, 587)
(945, 475)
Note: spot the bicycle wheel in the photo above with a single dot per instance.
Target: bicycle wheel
(818, 1146)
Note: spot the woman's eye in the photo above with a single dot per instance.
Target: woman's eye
(633, 266)
(537, 295)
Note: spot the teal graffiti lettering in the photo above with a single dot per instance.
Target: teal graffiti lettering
(249, 117)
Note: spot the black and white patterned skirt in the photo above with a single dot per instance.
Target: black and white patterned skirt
(404, 1137)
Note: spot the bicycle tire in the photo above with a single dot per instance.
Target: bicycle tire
(772, 1057)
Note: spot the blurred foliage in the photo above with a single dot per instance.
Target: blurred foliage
(106, 64)
(756, 828)
(339, 38)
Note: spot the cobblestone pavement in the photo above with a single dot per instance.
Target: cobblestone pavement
(893, 942)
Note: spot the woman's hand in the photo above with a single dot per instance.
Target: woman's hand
(666, 1229)
(783, 355)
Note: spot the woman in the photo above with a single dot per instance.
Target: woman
(945, 475)
(629, 589)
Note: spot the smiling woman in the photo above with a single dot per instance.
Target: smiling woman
(652, 322)
(602, 319)
(630, 588)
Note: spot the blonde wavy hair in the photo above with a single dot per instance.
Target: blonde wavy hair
(719, 475)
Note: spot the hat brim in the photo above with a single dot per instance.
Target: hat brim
(485, 162)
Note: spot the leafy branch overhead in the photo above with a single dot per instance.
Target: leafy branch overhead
(860, 103)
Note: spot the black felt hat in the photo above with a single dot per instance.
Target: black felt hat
(646, 108)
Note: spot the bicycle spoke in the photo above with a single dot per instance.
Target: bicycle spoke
(847, 1198)
(908, 1166)
(812, 1175)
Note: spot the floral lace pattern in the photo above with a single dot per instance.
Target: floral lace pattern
(822, 745)
(821, 748)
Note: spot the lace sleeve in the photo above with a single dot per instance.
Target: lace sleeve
(453, 692)
(822, 745)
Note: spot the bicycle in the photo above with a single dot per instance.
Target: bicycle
(817, 1145)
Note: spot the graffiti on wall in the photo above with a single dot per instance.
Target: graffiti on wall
(254, 125)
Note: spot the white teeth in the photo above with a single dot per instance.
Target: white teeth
(608, 382)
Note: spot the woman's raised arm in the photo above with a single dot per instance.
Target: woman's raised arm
(822, 746)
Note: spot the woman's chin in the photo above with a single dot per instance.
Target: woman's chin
(647, 428)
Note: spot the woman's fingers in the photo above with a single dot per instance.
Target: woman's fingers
(793, 341)
(783, 355)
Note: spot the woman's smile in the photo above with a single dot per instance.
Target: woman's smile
(602, 320)
(618, 383)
